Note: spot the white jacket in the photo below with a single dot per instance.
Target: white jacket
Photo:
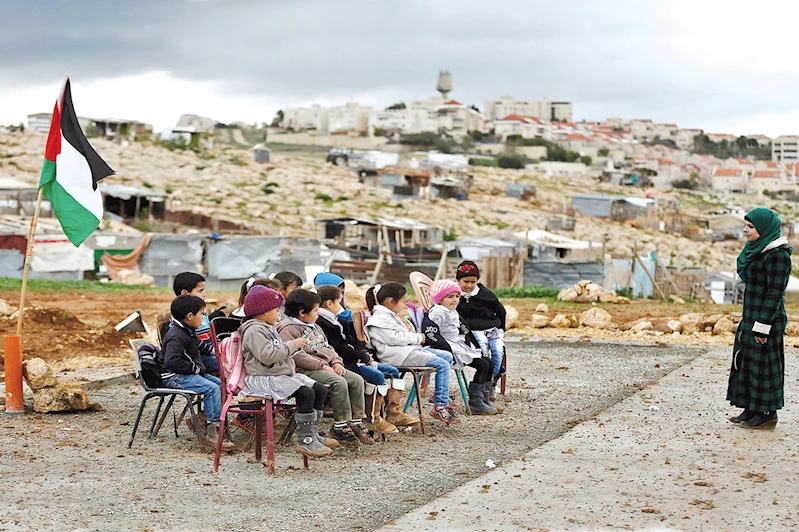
(390, 337)
(448, 322)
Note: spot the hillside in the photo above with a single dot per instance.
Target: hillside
(286, 196)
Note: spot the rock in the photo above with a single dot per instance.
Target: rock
(6, 309)
(134, 277)
(678, 300)
(711, 320)
(792, 329)
(567, 294)
(692, 322)
(540, 321)
(608, 297)
(560, 322)
(585, 298)
(622, 299)
(630, 324)
(38, 374)
(596, 317)
(65, 396)
(724, 325)
(542, 307)
(511, 317)
(663, 327)
(642, 326)
(675, 326)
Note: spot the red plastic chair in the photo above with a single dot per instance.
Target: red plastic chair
(261, 408)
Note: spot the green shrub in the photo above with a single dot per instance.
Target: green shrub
(523, 292)
(511, 161)
(475, 161)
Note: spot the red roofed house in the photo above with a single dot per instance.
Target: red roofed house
(718, 137)
(529, 127)
(457, 119)
(770, 179)
(728, 180)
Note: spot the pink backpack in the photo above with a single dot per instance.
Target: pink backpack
(233, 365)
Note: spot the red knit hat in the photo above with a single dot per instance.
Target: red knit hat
(467, 268)
(261, 299)
(442, 288)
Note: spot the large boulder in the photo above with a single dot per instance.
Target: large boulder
(542, 307)
(724, 325)
(560, 322)
(540, 321)
(38, 374)
(65, 396)
(692, 322)
(596, 317)
(511, 317)
(711, 319)
(674, 326)
(134, 277)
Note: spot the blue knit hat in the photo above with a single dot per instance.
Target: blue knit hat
(327, 279)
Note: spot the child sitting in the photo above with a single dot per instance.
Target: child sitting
(446, 294)
(320, 362)
(193, 284)
(331, 279)
(270, 367)
(183, 359)
(484, 314)
(398, 346)
(247, 285)
(341, 336)
(290, 281)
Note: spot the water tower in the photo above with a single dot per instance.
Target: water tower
(444, 85)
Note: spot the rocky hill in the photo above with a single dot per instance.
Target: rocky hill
(286, 196)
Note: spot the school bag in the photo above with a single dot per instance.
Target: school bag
(151, 361)
(232, 363)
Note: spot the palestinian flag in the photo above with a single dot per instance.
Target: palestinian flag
(71, 171)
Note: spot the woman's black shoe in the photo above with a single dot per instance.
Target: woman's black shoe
(762, 421)
(746, 415)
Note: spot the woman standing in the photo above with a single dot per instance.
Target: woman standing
(758, 362)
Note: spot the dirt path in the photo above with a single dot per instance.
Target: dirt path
(664, 459)
(75, 470)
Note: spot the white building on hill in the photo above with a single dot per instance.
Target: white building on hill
(544, 109)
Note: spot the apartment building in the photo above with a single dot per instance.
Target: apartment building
(785, 148)
(728, 180)
(684, 138)
(544, 109)
(302, 118)
(410, 120)
(529, 127)
(348, 117)
(457, 119)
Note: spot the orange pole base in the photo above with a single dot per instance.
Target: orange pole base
(12, 346)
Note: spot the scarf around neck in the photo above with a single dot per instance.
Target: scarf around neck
(768, 226)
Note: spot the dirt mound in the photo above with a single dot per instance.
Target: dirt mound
(54, 334)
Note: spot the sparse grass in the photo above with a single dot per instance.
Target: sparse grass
(525, 292)
(40, 286)
(237, 161)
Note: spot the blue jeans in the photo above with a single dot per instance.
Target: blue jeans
(440, 353)
(377, 376)
(210, 363)
(208, 385)
(442, 367)
(494, 346)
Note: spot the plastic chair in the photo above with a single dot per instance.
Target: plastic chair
(192, 399)
(261, 408)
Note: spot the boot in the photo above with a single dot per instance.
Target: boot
(489, 387)
(211, 434)
(327, 442)
(373, 403)
(476, 404)
(746, 415)
(762, 421)
(307, 442)
(358, 429)
(394, 413)
(346, 437)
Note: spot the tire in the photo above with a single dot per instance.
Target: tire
(340, 161)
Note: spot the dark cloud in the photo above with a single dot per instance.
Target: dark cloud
(608, 58)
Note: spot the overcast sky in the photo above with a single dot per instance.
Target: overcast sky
(724, 66)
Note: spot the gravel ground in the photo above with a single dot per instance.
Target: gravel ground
(75, 471)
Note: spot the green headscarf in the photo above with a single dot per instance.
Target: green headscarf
(768, 227)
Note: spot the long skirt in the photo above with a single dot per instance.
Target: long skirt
(757, 373)
(278, 387)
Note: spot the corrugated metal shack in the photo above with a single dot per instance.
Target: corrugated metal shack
(617, 208)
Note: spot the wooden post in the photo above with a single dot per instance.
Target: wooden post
(441, 272)
(12, 343)
(138, 208)
(654, 283)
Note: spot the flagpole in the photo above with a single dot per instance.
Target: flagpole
(28, 255)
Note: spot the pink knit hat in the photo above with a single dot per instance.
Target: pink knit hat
(441, 289)
(261, 299)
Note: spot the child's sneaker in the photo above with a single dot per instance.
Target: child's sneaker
(345, 437)
(442, 413)
(360, 432)
(453, 412)
(211, 434)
